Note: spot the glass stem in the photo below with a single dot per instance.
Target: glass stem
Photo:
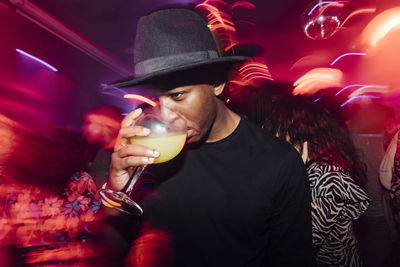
(133, 179)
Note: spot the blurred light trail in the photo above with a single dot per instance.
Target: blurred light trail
(220, 22)
(349, 86)
(358, 97)
(369, 89)
(357, 12)
(345, 55)
(243, 4)
(314, 59)
(246, 22)
(112, 91)
(141, 98)
(32, 12)
(36, 59)
(326, 3)
(381, 25)
(317, 79)
(252, 72)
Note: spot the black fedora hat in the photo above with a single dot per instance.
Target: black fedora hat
(170, 41)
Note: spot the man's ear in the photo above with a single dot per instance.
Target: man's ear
(219, 89)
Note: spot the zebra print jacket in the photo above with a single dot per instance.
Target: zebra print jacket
(336, 202)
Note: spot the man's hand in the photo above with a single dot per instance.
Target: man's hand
(127, 156)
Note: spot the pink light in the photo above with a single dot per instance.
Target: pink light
(252, 73)
(347, 54)
(369, 89)
(240, 83)
(360, 11)
(246, 22)
(220, 22)
(317, 79)
(349, 86)
(357, 97)
(243, 4)
(381, 25)
(36, 59)
(141, 98)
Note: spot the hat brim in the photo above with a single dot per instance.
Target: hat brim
(133, 81)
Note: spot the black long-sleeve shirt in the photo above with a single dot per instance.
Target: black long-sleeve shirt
(240, 201)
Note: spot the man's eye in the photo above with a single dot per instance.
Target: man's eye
(177, 96)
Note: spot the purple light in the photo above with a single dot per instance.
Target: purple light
(357, 97)
(349, 86)
(36, 59)
(347, 54)
(320, 4)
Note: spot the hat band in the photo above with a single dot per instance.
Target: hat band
(161, 63)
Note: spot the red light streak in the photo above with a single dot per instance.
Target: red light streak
(252, 72)
(329, 5)
(246, 22)
(221, 22)
(141, 98)
(240, 83)
(243, 4)
(369, 89)
(317, 79)
(357, 12)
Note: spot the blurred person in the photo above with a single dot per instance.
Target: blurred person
(236, 196)
(389, 175)
(47, 208)
(368, 120)
(100, 130)
(335, 172)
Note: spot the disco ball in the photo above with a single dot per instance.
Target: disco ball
(322, 19)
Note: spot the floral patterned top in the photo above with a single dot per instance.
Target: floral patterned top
(45, 228)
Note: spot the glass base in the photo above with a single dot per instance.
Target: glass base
(120, 201)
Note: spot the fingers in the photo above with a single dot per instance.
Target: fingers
(129, 129)
(134, 131)
(137, 151)
(133, 155)
(131, 118)
(127, 155)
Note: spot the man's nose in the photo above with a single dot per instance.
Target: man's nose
(168, 112)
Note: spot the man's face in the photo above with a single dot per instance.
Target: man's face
(196, 104)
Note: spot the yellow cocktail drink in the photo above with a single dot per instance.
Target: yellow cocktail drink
(168, 145)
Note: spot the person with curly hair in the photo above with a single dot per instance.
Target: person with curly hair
(335, 172)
